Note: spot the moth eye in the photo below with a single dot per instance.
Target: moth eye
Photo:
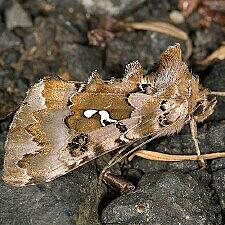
(199, 109)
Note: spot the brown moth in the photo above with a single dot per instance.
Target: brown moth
(62, 125)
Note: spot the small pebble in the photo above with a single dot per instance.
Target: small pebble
(176, 17)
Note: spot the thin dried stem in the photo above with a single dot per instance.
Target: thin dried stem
(158, 156)
(219, 93)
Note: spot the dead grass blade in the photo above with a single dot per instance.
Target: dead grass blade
(162, 27)
(158, 156)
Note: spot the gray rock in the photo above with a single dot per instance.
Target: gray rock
(218, 164)
(215, 81)
(218, 183)
(9, 40)
(16, 16)
(161, 9)
(81, 60)
(70, 15)
(164, 198)
(12, 92)
(143, 46)
(71, 199)
(204, 44)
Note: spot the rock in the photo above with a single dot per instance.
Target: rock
(176, 17)
(218, 164)
(143, 46)
(164, 198)
(161, 9)
(81, 60)
(9, 40)
(155, 10)
(10, 57)
(218, 183)
(215, 136)
(215, 81)
(12, 92)
(16, 16)
(71, 199)
(41, 38)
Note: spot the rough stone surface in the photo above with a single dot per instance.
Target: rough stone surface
(218, 183)
(16, 16)
(164, 198)
(215, 80)
(144, 46)
(68, 200)
(205, 43)
(12, 91)
(8, 40)
(81, 60)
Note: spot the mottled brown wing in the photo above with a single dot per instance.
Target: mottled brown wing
(50, 136)
(38, 134)
(95, 139)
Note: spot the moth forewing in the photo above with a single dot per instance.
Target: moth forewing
(63, 125)
(38, 134)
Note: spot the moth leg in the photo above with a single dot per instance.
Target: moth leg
(193, 126)
(112, 162)
(117, 158)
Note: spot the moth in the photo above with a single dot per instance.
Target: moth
(61, 125)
